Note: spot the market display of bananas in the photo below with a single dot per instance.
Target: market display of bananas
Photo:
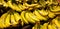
(54, 24)
(30, 12)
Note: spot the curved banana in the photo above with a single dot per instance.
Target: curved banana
(17, 16)
(44, 26)
(31, 15)
(23, 17)
(16, 7)
(36, 26)
(39, 16)
(3, 17)
(10, 5)
(57, 23)
(51, 15)
(55, 8)
(54, 26)
(7, 21)
(43, 12)
(49, 26)
(28, 18)
(13, 21)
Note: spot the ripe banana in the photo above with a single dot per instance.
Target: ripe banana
(55, 8)
(2, 24)
(43, 12)
(13, 21)
(28, 18)
(49, 26)
(36, 26)
(39, 16)
(54, 26)
(23, 17)
(16, 7)
(10, 5)
(7, 21)
(3, 17)
(31, 15)
(51, 15)
(44, 26)
(17, 16)
(57, 23)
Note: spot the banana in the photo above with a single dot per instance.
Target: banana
(16, 7)
(7, 21)
(54, 26)
(17, 16)
(28, 18)
(33, 27)
(39, 15)
(49, 26)
(51, 15)
(44, 26)
(20, 6)
(57, 23)
(5, 4)
(13, 22)
(2, 20)
(2, 24)
(55, 9)
(22, 22)
(36, 26)
(23, 17)
(31, 15)
(43, 12)
(10, 5)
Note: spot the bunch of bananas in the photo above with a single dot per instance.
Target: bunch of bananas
(20, 5)
(54, 24)
(30, 11)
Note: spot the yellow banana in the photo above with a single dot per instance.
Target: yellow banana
(55, 8)
(23, 17)
(54, 26)
(28, 18)
(31, 15)
(22, 22)
(3, 17)
(16, 7)
(39, 16)
(43, 12)
(33, 27)
(49, 26)
(2, 25)
(13, 22)
(44, 26)
(20, 6)
(17, 16)
(10, 5)
(57, 23)
(36, 26)
(51, 15)
(7, 21)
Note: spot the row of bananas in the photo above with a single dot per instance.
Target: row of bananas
(31, 11)
(54, 24)
(8, 19)
(26, 6)
(25, 17)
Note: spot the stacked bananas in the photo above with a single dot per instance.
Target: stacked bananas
(31, 11)
(54, 24)
(8, 19)
(25, 17)
(24, 4)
